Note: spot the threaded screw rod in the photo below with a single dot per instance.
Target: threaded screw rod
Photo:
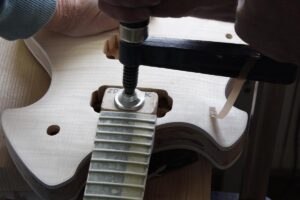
(130, 79)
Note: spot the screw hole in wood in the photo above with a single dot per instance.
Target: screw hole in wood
(229, 36)
(53, 130)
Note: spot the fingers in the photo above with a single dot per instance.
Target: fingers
(100, 23)
(132, 3)
(125, 14)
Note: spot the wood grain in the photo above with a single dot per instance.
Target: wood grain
(11, 180)
(22, 82)
(78, 67)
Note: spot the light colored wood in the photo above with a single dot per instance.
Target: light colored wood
(22, 82)
(78, 68)
(192, 182)
(11, 180)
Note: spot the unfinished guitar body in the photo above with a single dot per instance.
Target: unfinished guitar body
(51, 140)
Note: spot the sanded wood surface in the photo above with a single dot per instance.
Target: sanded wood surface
(159, 188)
(78, 68)
(22, 82)
(17, 70)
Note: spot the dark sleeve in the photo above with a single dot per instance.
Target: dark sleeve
(21, 19)
(272, 27)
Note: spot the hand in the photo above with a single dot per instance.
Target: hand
(140, 10)
(271, 27)
(256, 21)
(80, 18)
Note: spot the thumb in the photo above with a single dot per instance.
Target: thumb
(100, 23)
(80, 18)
